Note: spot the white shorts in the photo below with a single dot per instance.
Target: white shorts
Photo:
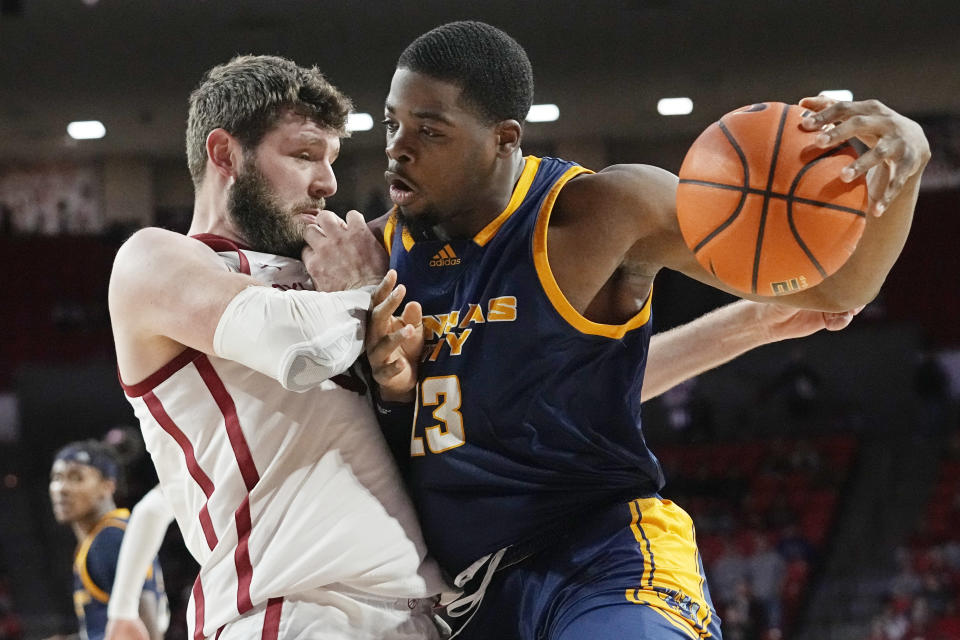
(331, 615)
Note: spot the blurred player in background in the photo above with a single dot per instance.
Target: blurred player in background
(83, 480)
(532, 478)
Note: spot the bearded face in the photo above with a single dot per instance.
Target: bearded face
(264, 222)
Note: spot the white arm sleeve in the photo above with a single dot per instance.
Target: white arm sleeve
(299, 338)
(141, 540)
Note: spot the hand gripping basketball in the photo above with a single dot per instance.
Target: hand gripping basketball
(762, 204)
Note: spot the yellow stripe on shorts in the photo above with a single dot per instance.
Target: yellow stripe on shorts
(671, 581)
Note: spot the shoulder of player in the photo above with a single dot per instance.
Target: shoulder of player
(108, 538)
(151, 244)
(152, 258)
(636, 196)
(100, 563)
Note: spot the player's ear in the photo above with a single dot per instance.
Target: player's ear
(109, 486)
(223, 153)
(509, 133)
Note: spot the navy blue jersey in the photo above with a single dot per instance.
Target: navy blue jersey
(528, 414)
(94, 568)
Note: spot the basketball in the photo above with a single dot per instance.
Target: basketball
(763, 208)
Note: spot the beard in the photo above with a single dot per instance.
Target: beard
(261, 220)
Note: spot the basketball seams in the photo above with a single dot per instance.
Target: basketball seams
(790, 200)
(743, 196)
(766, 198)
(772, 194)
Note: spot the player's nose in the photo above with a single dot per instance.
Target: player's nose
(323, 183)
(398, 147)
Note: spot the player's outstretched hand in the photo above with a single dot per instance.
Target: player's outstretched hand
(342, 254)
(122, 629)
(898, 146)
(394, 343)
(784, 322)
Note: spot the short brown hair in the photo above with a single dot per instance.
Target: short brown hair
(247, 95)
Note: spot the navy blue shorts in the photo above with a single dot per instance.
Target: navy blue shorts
(632, 571)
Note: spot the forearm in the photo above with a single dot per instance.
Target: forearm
(299, 338)
(707, 342)
(142, 539)
(859, 280)
(149, 616)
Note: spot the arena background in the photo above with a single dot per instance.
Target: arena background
(824, 475)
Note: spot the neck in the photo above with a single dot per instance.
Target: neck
(503, 180)
(210, 209)
(83, 527)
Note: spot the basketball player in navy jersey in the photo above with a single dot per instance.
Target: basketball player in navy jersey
(83, 480)
(528, 465)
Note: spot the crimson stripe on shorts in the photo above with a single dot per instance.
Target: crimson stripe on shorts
(198, 610)
(248, 470)
(271, 619)
(196, 472)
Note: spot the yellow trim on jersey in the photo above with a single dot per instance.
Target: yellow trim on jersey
(549, 282)
(668, 530)
(388, 228)
(407, 239)
(519, 193)
(110, 519)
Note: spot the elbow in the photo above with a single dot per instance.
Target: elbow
(840, 300)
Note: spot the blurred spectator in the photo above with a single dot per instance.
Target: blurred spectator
(906, 583)
(766, 571)
(742, 616)
(793, 547)
(727, 571)
(893, 619)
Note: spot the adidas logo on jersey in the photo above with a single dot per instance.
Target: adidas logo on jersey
(444, 258)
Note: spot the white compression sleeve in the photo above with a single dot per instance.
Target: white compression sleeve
(141, 540)
(299, 338)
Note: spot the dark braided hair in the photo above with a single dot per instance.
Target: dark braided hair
(491, 68)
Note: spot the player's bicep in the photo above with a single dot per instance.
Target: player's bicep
(165, 284)
(659, 242)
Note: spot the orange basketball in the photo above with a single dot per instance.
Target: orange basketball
(762, 207)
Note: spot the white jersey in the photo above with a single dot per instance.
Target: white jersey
(277, 493)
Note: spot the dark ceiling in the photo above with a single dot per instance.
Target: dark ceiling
(132, 63)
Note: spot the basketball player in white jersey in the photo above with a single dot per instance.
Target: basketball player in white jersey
(236, 362)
